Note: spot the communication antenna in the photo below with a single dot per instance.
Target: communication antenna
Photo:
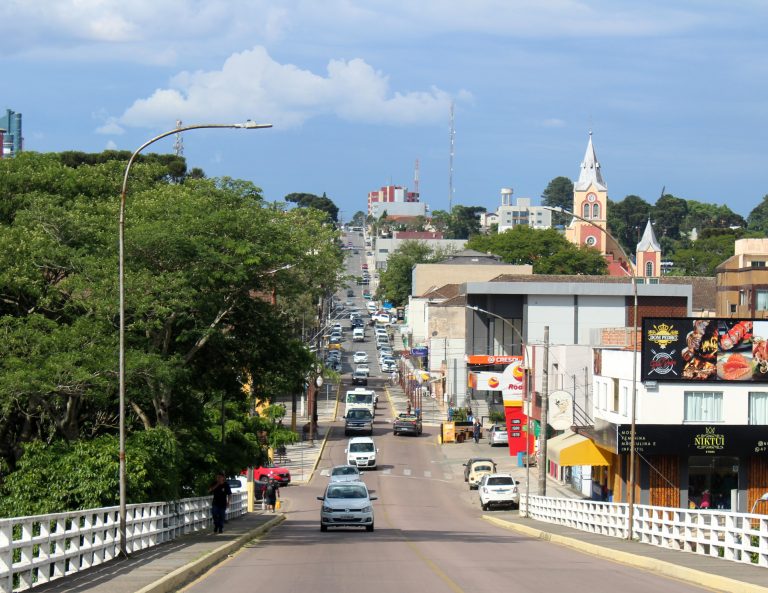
(178, 145)
(416, 178)
(452, 137)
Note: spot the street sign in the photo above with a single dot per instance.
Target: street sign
(419, 352)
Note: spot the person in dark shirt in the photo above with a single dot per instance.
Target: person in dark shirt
(221, 495)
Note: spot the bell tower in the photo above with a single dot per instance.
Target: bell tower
(590, 201)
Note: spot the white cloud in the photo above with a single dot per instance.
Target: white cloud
(553, 122)
(110, 127)
(251, 84)
(110, 145)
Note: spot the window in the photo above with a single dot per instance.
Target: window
(733, 308)
(615, 407)
(758, 407)
(653, 280)
(761, 300)
(624, 400)
(585, 212)
(649, 268)
(703, 406)
(758, 264)
(595, 211)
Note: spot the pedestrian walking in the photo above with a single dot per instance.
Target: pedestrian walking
(408, 408)
(272, 494)
(221, 497)
(476, 429)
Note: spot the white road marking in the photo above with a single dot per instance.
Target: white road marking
(406, 472)
(427, 474)
(386, 472)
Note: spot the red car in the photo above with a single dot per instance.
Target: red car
(272, 471)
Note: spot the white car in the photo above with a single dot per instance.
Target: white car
(388, 367)
(345, 473)
(346, 504)
(381, 318)
(362, 368)
(361, 452)
(497, 490)
(360, 357)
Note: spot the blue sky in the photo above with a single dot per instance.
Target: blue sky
(674, 91)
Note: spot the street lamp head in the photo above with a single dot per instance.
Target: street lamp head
(251, 125)
(556, 209)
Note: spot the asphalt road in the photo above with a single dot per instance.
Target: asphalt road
(428, 536)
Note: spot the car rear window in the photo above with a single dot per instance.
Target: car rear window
(483, 468)
(500, 481)
(347, 470)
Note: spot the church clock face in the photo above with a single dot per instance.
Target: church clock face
(591, 198)
(591, 241)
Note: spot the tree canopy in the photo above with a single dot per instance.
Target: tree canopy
(558, 194)
(396, 282)
(548, 251)
(322, 203)
(209, 303)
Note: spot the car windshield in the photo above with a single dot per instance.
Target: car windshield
(361, 448)
(346, 470)
(500, 481)
(359, 414)
(344, 491)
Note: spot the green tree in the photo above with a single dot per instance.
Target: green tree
(205, 309)
(701, 257)
(396, 282)
(758, 217)
(464, 222)
(358, 218)
(546, 250)
(322, 203)
(668, 214)
(627, 220)
(558, 194)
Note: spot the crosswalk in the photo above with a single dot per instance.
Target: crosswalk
(404, 472)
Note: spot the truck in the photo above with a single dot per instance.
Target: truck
(360, 398)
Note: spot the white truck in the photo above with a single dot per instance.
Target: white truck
(360, 397)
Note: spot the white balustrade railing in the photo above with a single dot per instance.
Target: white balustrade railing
(39, 549)
(739, 537)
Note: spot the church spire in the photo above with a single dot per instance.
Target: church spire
(590, 170)
(648, 241)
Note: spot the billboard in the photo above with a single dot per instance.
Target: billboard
(704, 350)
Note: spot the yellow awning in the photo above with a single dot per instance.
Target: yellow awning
(570, 448)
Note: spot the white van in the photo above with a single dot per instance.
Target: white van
(358, 334)
(360, 398)
(361, 452)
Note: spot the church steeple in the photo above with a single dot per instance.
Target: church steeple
(590, 170)
(648, 254)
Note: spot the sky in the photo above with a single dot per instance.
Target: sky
(674, 92)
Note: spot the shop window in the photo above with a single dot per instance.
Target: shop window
(758, 407)
(712, 481)
(703, 406)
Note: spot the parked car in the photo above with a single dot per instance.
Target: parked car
(345, 473)
(497, 435)
(346, 504)
(237, 483)
(358, 420)
(407, 424)
(359, 357)
(468, 465)
(498, 490)
(350, 293)
(274, 472)
(388, 366)
(478, 469)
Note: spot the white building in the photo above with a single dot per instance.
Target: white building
(510, 215)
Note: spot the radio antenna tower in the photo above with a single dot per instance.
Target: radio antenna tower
(178, 145)
(416, 178)
(450, 164)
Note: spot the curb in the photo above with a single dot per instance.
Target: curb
(176, 579)
(319, 455)
(681, 573)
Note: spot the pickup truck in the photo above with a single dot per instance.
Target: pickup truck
(407, 424)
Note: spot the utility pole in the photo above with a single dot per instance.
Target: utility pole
(544, 414)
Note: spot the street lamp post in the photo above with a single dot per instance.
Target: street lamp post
(524, 348)
(249, 125)
(633, 413)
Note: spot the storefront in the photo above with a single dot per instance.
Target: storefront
(698, 466)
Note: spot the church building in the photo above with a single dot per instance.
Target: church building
(590, 204)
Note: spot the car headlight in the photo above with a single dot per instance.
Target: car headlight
(327, 509)
(367, 509)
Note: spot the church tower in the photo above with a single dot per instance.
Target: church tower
(590, 201)
(648, 254)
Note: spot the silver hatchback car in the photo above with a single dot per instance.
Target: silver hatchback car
(346, 504)
(497, 435)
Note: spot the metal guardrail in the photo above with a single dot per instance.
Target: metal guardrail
(38, 549)
(739, 537)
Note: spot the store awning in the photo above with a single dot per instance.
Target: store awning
(570, 448)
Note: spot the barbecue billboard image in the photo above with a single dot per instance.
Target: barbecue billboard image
(706, 349)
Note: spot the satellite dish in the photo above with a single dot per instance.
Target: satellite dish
(560, 410)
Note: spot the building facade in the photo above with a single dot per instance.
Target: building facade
(742, 281)
(510, 215)
(11, 134)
